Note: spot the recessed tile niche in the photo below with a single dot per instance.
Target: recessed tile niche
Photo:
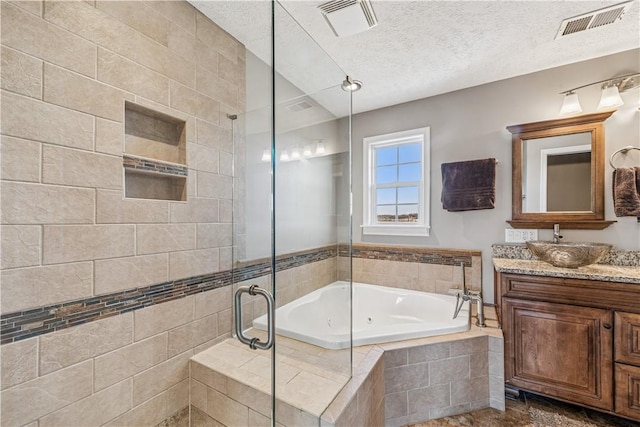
(154, 155)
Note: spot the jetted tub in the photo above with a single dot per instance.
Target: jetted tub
(380, 314)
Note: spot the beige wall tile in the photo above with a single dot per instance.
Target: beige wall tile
(30, 34)
(182, 42)
(94, 410)
(226, 258)
(28, 118)
(125, 74)
(195, 210)
(226, 163)
(34, 7)
(19, 362)
(231, 71)
(214, 136)
(114, 367)
(207, 57)
(203, 158)
(213, 185)
(86, 242)
(67, 166)
(212, 85)
(43, 204)
(193, 263)
(113, 208)
(67, 89)
(427, 353)
(214, 235)
(72, 345)
(226, 211)
(406, 377)
(109, 137)
(180, 13)
(158, 318)
(108, 32)
(216, 38)
(424, 399)
(165, 238)
(21, 73)
(198, 394)
(160, 378)
(138, 15)
(209, 377)
(192, 334)
(448, 370)
(193, 103)
(118, 274)
(20, 159)
(226, 410)
(190, 126)
(157, 409)
(46, 394)
(21, 245)
(37, 286)
(213, 301)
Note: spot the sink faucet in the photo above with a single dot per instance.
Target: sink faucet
(472, 296)
(556, 233)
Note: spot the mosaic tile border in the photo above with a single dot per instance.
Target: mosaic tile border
(153, 166)
(615, 257)
(42, 320)
(410, 254)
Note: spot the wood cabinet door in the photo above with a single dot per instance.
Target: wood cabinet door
(560, 350)
(628, 391)
(627, 338)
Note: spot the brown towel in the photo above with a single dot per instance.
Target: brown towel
(626, 191)
(469, 185)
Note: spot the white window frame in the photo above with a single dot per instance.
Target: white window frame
(370, 226)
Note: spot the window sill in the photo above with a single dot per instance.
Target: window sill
(396, 230)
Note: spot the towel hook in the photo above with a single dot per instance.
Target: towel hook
(622, 150)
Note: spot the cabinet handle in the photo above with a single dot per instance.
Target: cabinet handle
(607, 326)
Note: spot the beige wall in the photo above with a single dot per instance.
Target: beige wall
(471, 124)
(68, 232)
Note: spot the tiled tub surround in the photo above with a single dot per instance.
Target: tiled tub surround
(422, 269)
(392, 384)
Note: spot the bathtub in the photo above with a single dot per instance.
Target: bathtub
(380, 314)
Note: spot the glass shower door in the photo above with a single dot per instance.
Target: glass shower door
(292, 221)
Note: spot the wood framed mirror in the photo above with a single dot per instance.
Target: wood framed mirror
(558, 173)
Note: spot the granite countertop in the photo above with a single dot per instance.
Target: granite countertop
(603, 272)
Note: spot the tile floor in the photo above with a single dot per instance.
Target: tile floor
(532, 411)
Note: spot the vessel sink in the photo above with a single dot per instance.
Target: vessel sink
(568, 254)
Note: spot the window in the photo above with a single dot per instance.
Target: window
(396, 183)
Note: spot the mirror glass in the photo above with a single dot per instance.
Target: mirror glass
(556, 175)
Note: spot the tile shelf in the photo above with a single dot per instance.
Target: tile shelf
(154, 158)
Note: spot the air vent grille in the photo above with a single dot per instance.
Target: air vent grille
(299, 106)
(347, 17)
(594, 19)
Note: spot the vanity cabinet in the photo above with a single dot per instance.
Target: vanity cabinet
(573, 339)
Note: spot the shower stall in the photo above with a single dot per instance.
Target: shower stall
(291, 209)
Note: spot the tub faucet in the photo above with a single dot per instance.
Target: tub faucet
(472, 296)
(556, 233)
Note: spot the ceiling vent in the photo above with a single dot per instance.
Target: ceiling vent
(298, 106)
(347, 17)
(594, 19)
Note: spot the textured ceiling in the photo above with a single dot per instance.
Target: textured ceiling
(424, 48)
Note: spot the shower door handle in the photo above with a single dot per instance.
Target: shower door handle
(255, 343)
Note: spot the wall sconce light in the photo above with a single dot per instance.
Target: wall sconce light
(320, 147)
(284, 156)
(610, 98)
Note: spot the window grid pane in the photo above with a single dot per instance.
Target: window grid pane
(398, 179)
